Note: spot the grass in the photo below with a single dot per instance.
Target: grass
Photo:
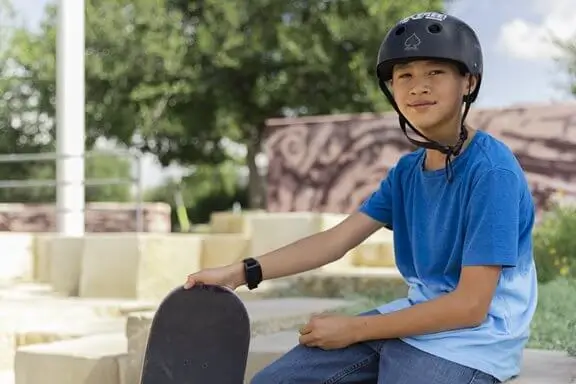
(554, 323)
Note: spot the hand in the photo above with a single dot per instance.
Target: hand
(231, 276)
(328, 332)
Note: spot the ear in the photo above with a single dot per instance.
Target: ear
(469, 84)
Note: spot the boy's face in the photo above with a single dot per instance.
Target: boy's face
(429, 94)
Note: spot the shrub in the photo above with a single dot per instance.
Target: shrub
(555, 318)
(555, 243)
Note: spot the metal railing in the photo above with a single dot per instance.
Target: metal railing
(135, 180)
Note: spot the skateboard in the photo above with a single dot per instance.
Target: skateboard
(199, 335)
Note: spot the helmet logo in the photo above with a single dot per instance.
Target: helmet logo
(436, 16)
(412, 43)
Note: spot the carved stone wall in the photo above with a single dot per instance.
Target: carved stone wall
(332, 163)
(100, 217)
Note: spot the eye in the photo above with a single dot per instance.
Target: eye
(437, 72)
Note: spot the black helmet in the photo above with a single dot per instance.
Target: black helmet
(431, 35)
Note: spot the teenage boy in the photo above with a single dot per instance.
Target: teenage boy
(462, 215)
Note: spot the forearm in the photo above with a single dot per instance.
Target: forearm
(303, 255)
(452, 311)
(313, 251)
(300, 256)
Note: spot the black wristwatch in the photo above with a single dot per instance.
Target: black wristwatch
(252, 272)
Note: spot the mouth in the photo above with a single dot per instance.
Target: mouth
(422, 104)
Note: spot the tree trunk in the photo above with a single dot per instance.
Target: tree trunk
(256, 193)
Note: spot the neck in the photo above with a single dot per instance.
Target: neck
(437, 160)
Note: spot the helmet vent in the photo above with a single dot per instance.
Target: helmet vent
(434, 28)
(400, 30)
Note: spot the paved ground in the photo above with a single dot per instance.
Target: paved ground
(547, 367)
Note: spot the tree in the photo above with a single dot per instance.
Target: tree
(176, 77)
(206, 189)
(258, 59)
(568, 61)
(26, 121)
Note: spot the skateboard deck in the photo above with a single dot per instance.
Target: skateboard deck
(199, 335)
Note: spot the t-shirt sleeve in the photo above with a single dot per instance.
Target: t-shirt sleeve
(492, 224)
(378, 205)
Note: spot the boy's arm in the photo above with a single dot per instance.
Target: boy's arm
(491, 242)
(328, 246)
(319, 249)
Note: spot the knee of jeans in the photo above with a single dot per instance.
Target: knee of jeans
(262, 377)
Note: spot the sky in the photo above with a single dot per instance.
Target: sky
(519, 61)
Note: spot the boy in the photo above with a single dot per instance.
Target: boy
(462, 216)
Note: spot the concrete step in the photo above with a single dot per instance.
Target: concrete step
(264, 349)
(274, 315)
(539, 367)
(40, 319)
(546, 367)
(46, 332)
(343, 282)
(103, 358)
(7, 377)
(26, 291)
(87, 360)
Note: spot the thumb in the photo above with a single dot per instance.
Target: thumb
(190, 281)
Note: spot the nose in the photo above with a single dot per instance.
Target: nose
(420, 87)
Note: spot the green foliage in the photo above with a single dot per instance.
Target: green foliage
(207, 189)
(567, 60)
(265, 58)
(555, 244)
(175, 77)
(555, 318)
(97, 167)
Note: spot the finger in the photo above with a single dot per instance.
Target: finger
(189, 282)
(306, 328)
(307, 340)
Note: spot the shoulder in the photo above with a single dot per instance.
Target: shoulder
(493, 159)
(407, 163)
(495, 170)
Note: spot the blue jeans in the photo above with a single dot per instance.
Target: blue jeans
(375, 362)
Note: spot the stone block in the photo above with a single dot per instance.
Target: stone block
(17, 259)
(374, 253)
(137, 330)
(41, 253)
(353, 281)
(227, 222)
(64, 258)
(138, 266)
(224, 249)
(100, 217)
(24, 291)
(109, 308)
(233, 222)
(32, 320)
(50, 331)
(272, 231)
(87, 360)
(265, 349)
(7, 377)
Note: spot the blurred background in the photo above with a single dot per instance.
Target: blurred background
(188, 134)
(200, 105)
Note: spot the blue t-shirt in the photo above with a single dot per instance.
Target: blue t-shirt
(484, 217)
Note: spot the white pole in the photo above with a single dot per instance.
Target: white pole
(70, 118)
